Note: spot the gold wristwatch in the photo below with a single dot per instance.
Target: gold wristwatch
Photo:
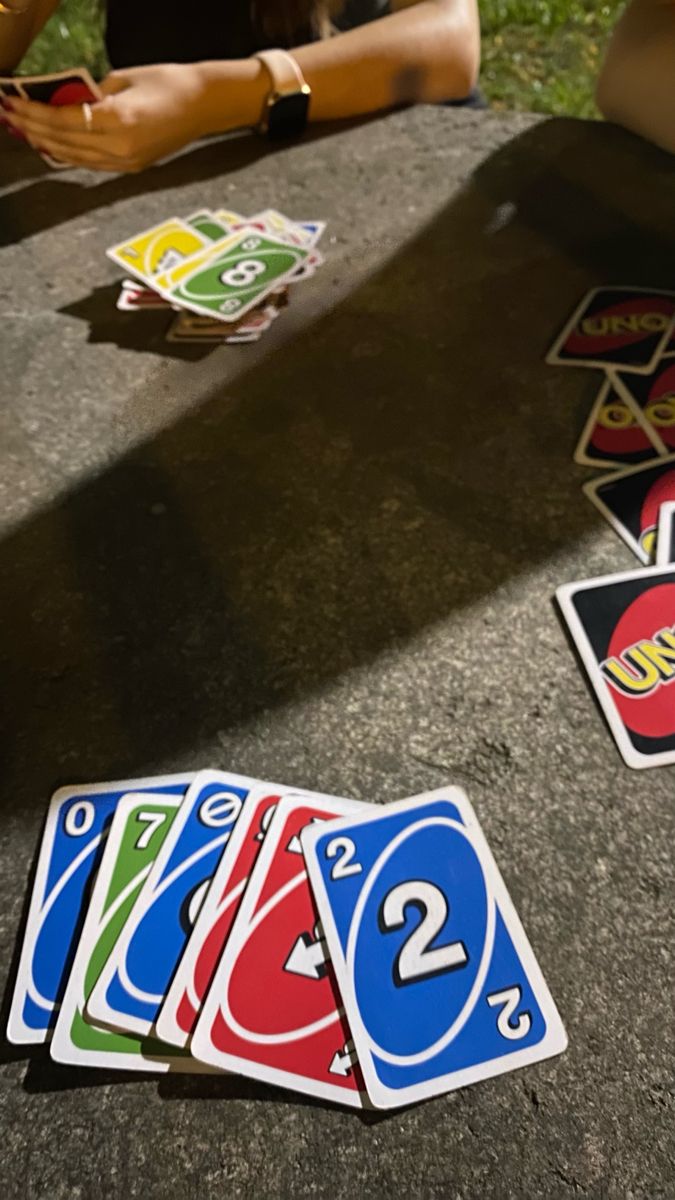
(286, 108)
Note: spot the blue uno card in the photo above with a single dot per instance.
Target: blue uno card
(77, 825)
(133, 984)
(439, 983)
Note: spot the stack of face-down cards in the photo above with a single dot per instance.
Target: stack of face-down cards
(623, 625)
(227, 276)
(367, 955)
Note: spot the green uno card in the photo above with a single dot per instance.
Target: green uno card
(235, 280)
(137, 831)
(208, 225)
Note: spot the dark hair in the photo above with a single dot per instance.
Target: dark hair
(290, 22)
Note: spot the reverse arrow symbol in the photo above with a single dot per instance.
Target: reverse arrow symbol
(307, 958)
(343, 1060)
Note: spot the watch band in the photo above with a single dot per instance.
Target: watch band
(283, 70)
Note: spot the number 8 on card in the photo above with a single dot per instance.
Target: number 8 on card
(439, 983)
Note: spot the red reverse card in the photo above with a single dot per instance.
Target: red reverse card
(273, 1010)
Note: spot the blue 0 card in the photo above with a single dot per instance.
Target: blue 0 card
(439, 983)
(133, 984)
(77, 825)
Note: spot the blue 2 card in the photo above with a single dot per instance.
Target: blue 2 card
(77, 824)
(131, 987)
(439, 983)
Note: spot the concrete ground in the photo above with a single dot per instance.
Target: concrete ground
(329, 560)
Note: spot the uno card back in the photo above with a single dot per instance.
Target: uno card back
(615, 433)
(623, 628)
(630, 500)
(655, 394)
(622, 327)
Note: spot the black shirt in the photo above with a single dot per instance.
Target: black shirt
(155, 31)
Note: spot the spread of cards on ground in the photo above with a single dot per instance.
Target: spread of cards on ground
(59, 89)
(363, 954)
(624, 625)
(227, 275)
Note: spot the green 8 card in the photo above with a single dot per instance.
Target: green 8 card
(236, 280)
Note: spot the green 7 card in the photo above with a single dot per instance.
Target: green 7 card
(232, 281)
(138, 829)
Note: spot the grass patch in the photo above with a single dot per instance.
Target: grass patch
(541, 55)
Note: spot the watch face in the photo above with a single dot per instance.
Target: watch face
(287, 117)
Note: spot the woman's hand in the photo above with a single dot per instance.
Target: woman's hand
(146, 114)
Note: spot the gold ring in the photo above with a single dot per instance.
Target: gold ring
(88, 116)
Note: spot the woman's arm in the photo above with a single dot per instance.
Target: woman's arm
(426, 51)
(18, 30)
(637, 84)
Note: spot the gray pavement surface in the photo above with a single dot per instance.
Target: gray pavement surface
(329, 560)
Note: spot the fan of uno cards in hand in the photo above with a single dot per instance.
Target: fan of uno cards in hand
(59, 89)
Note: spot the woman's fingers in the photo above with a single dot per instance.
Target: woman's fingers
(65, 119)
(116, 81)
(42, 134)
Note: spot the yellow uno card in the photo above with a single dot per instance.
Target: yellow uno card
(158, 249)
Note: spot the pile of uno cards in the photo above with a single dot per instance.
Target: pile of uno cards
(228, 275)
(624, 625)
(365, 954)
(60, 88)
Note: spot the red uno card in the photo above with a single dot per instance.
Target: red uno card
(622, 327)
(273, 1011)
(630, 500)
(616, 432)
(197, 966)
(624, 629)
(655, 395)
